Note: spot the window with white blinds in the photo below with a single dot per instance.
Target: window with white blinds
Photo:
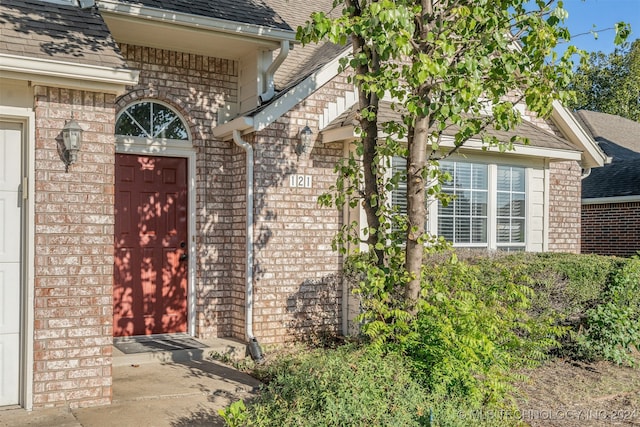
(487, 207)
(463, 221)
(511, 208)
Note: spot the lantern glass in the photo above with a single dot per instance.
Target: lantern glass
(72, 138)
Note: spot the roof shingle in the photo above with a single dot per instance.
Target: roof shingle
(537, 137)
(42, 30)
(253, 12)
(620, 139)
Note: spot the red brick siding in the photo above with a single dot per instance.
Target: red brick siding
(197, 86)
(564, 207)
(73, 252)
(611, 228)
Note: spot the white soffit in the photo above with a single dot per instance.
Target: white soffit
(164, 29)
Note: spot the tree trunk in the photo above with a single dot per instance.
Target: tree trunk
(368, 102)
(416, 208)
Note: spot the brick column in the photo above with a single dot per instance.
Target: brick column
(74, 222)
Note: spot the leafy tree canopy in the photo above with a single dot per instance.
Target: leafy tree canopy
(446, 65)
(610, 83)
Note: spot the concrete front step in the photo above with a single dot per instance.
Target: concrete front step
(225, 348)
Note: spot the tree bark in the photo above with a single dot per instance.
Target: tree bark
(368, 102)
(416, 208)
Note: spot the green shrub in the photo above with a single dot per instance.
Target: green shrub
(339, 387)
(473, 331)
(612, 328)
(596, 297)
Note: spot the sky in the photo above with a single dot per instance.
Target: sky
(584, 14)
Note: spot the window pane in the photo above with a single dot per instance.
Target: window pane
(504, 230)
(463, 230)
(504, 178)
(175, 130)
(517, 179)
(465, 221)
(480, 177)
(479, 230)
(141, 114)
(446, 210)
(463, 175)
(503, 204)
(445, 228)
(463, 203)
(479, 204)
(517, 230)
(126, 126)
(517, 205)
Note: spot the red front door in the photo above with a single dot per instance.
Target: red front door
(151, 247)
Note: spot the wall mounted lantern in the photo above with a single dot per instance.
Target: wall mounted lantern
(72, 138)
(305, 140)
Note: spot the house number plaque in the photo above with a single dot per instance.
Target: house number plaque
(301, 181)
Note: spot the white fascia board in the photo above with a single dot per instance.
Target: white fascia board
(297, 94)
(344, 133)
(593, 155)
(347, 133)
(67, 74)
(605, 200)
(225, 131)
(189, 20)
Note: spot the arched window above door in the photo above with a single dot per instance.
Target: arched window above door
(149, 119)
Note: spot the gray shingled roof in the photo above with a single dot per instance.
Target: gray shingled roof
(620, 178)
(619, 138)
(303, 61)
(537, 137)
(610, 129)
(43, 30)
(254, 12)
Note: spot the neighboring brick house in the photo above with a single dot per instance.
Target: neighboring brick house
(192, 208)
(611, 194)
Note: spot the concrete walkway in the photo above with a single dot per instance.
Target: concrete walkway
(162, 389)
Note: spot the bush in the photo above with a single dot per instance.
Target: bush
(612, 328)
(339, 387)
(473, 331)
(596, 297)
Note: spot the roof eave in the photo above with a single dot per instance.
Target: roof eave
(201, 22)
(593, 156)
(611, 199)
(243, 124)
(347, 133)
(282, 104)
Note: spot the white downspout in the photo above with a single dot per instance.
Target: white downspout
(254, 348)
(270, 90)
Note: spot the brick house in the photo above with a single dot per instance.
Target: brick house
(192, 206)
(611, 194)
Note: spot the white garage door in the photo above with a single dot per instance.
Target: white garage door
(10, 177)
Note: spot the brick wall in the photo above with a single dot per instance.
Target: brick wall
(196, 86)
(564, 207)
(73, 251)
(298, 287)
(611, 228)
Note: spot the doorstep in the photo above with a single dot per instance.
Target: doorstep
(170, 348)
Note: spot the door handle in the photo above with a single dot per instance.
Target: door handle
(183, 257)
